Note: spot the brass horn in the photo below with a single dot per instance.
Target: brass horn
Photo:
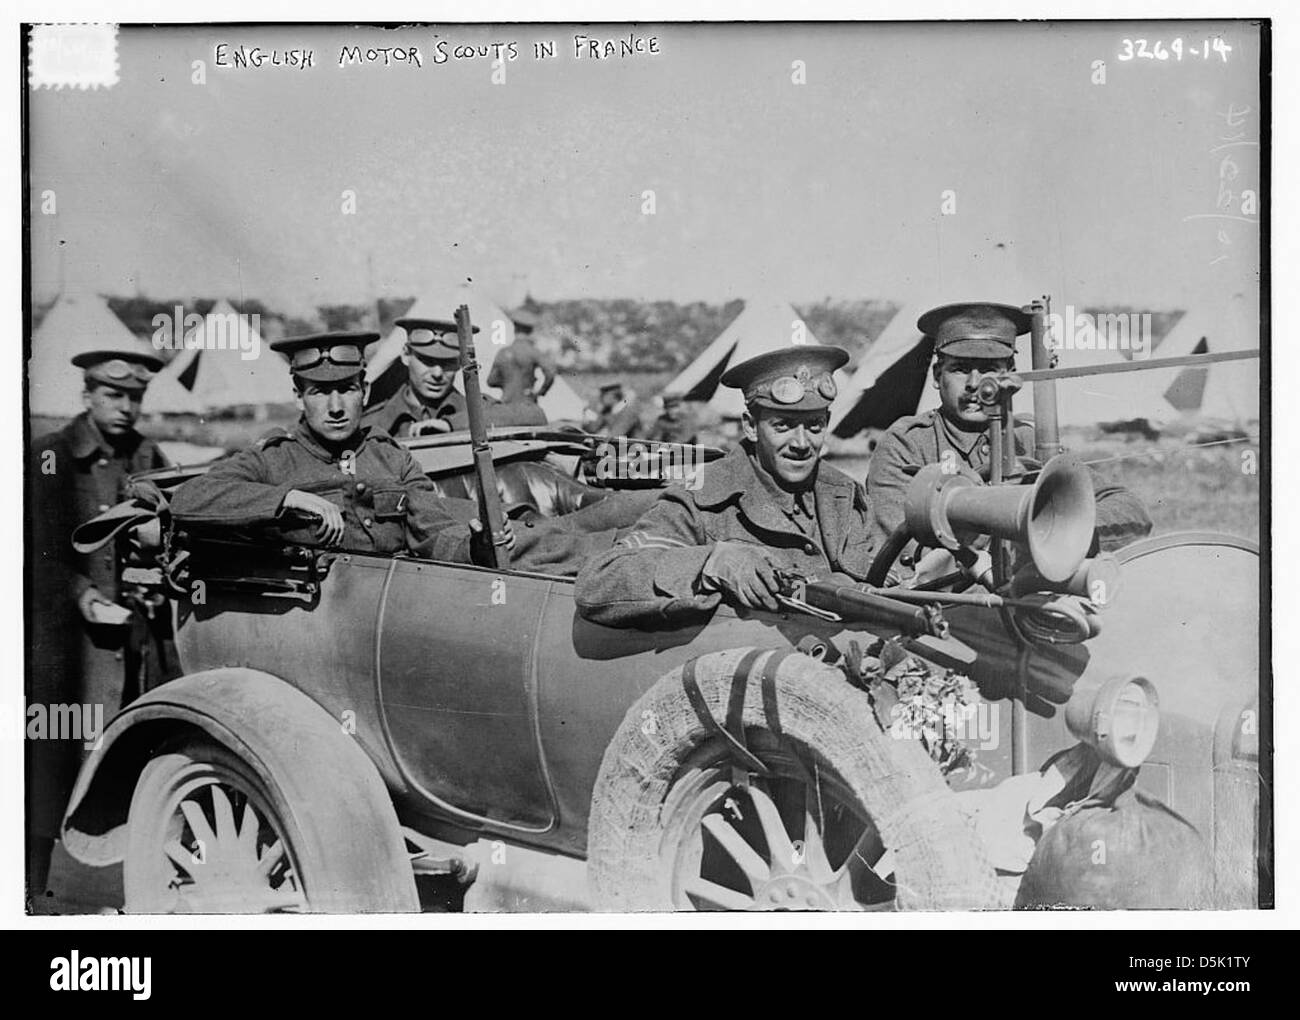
(1055, 517)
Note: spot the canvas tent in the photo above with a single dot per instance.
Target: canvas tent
(385, 373)
(214, 367)
(1226, 391)
(73, 326)
(167, 394)
(764, 324)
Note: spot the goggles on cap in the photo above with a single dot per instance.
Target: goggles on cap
(790, 389)
(338, 354)
(121, 370)
(424, 337)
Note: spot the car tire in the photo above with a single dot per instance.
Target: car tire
(208, 832)
(847, 817)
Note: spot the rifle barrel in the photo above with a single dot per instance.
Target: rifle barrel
(490, 515)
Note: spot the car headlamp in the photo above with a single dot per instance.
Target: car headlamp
(1119, 718)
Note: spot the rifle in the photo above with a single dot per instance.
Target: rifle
(489, 498)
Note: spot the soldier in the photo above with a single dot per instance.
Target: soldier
(768, 506)
(515, 369)
(428, 401)
(85, 649)
(674, 424)
(615, 413)
(970, 340)
(362, 488)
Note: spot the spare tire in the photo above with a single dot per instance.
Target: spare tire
(816, 807)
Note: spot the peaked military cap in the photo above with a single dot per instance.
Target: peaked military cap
(524, 320)
(432, 338)
(326, 357)
(975, 330)
(796, 378)
(127, 368)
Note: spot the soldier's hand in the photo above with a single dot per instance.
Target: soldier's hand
(86, 603)
(743, 571)
(430, 426)
(330, 531)
(480, 543)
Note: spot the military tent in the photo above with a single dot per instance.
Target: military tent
(1227, 391)
(384, 369)
(226, 364)
(73, 326)
(764, 324)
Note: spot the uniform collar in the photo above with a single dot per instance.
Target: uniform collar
(307, 439)
(87, 441)
(415, 408)
(960, 439)
(738, 477)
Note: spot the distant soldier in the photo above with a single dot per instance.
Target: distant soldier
(970, 340)
(674, 424)
(516, 368)
(769, 506)
(428, 402)
(86, 648)
(615, 414)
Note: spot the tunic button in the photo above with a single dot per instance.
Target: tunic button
(367, 522)
(809, 549)
(103, 507)
(102, 462)
(361, 486)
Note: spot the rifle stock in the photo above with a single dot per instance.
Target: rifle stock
(489, 498)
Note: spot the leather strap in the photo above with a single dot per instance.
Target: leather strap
(739, 752)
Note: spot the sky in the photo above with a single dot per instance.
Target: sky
(236, 186)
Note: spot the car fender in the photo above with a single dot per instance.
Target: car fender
(285, 736)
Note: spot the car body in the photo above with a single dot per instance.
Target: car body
(485, 704)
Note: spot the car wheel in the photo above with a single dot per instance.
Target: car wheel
(206, 833)
(840, 816)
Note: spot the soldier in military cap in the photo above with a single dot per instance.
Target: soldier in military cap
(82, 653)
(675, 423)
(769, 506)
(360, 487)
(515, 371)
(428, 401)
(615, 413)
(969, 341)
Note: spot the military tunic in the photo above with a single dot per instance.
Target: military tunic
(388, 504)
(514, 372)
(927, 438)
(652, 575)
(397, 414)
(75, 474)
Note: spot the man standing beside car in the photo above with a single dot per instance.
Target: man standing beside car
(769, 506)
(85, 647)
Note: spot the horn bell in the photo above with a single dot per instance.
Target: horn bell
(1055, 517)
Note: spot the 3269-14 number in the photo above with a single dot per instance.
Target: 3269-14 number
(1137, 49)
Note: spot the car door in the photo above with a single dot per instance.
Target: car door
(456, 653)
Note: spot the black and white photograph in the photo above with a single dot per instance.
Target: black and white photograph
(571, 468)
